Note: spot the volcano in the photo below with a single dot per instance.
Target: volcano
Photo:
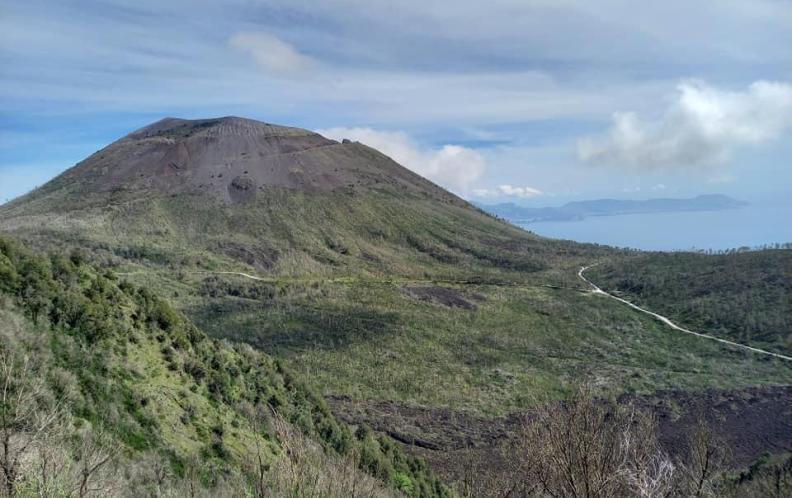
(231, 191)
(233, 160)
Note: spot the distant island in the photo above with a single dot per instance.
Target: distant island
(579, 210)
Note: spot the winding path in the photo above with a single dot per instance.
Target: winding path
(252, 277)
(665, 320)
(342, 279)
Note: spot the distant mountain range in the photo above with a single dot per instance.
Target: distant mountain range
(610, 207)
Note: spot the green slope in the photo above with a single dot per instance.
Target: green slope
(376, 283)
(296, 234)
(117, 358)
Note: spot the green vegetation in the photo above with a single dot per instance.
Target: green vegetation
(288, 234)
(742, 296)
(335, 303)
(370, 283)
(518, 347)
(120, 361)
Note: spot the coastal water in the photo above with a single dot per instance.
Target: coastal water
(751, 226)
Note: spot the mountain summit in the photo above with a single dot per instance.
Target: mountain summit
(235, 159)
(229, 191)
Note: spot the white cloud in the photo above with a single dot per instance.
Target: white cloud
(451, 166)
(519, 191)
(271, 53)
(701, 126)
(508, 191)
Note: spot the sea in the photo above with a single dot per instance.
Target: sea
(751, 226)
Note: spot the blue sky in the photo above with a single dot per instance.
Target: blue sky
(532, 101)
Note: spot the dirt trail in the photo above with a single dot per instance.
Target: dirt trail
(252, 277)
(667, 321)
(368, 280)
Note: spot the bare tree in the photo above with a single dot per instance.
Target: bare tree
(257, 464)
(501, 473)
(654, 479)
(94, 457)
(48, 474)
(589, 448)
(707, 456)
(583, 448)
(771, 480)
(25, 417)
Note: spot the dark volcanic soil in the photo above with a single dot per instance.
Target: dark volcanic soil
(444, 296)
(234, 160)
(753, 421)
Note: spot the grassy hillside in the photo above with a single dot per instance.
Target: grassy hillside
(373, 283)
(513, 347)
(379, 296)
(743, 296)
(294, 234)
(109, 363)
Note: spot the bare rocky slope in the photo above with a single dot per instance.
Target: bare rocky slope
(232, 159)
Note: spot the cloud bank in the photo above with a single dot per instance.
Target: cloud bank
(701, 126)
(452, 166)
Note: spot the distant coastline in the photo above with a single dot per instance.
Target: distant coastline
(579, 210)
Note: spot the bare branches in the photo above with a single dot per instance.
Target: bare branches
(25, 417)
(36, 449)
(706, 459)
(94, 458)
(583, 448)
(592, 448)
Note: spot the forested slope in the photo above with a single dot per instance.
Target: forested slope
(91, 363)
